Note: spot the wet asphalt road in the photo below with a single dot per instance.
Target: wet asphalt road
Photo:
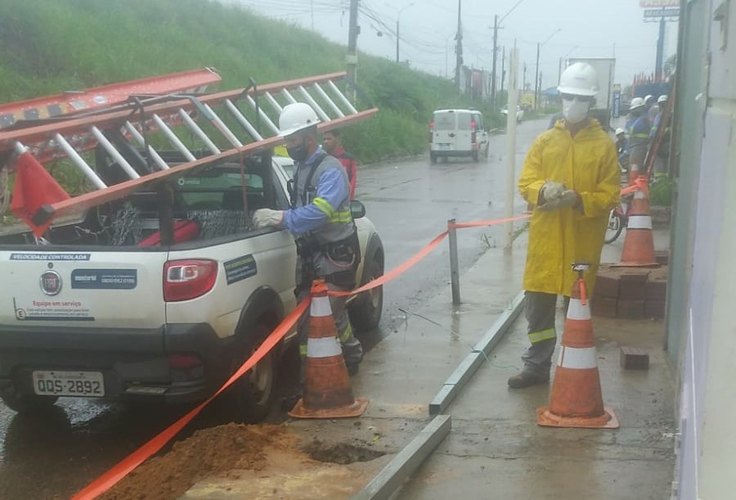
(409, 202)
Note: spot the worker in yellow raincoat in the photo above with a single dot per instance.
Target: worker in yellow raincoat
(571, 179)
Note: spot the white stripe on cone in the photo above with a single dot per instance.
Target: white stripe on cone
(324, 347)
(320, 307)
(639, 222)
(577, 358)
(639, 195)
(576, 310)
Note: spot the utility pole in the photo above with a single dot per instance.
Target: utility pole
(458, 45)
(660, 51)
(493, 71)
(536, 81)
(503, 66)
(352, 57)
(398, 34)
(511, 145)
(523, 85)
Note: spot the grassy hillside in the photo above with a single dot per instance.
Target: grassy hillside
(51, 45)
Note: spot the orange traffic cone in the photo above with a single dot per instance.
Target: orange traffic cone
(639, 242)
(327, 390)
(633, 173)
(576, 399)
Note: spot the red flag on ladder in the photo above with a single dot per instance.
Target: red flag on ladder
(34, 188)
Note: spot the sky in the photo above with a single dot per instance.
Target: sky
(565, 28)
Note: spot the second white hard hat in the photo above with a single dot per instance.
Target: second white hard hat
(579, 79)
(636, 102)
(295, 117)
(620, 131)
(662, 98)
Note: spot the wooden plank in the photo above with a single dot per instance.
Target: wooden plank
(398, 470)
(442, 399)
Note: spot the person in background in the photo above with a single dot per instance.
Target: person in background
(332, 142)
(571, 179)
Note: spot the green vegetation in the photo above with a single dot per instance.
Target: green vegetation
(48, 45)
(660, 192)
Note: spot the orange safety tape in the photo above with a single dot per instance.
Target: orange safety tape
(125, 466)
(583, 292)
(640, 184)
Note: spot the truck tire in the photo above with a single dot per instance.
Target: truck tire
(365, 312)
(252, 396)
(432, 158)
(27, 404)
(475, 155)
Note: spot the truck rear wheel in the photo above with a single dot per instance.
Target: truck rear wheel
(27, 403)
(252, 395)
(365, 312)
(432, 158)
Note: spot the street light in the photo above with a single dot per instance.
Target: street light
(536, 77)
(398, 17)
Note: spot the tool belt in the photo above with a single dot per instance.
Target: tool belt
(344, 251)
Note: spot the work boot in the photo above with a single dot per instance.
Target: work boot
(352, 368)
(527, 378)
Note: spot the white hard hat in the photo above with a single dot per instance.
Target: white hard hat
(648, 97)
(579, 79)
(636, 102)
(662, 98)
(620, 131)
(295, 117)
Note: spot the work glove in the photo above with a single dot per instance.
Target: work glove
(551, 190)
(266, 217)
(568, 198)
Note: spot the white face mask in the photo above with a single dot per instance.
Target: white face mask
(574, 110)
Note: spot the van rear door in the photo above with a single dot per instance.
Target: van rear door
(443, 135)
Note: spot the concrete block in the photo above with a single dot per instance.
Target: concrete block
(606, 283)
(630, 275)
(604, 307)
(656, 290)
(634, 358)
(632, 290)
(630, 309)
(654, 308)
(662, 257)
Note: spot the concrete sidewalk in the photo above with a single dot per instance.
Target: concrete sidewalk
(495, 448)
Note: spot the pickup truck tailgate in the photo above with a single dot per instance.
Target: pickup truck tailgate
(84, 290)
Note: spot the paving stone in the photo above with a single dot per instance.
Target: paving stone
(654, 308)
(604, 307)
(630, 309)
(634, 358)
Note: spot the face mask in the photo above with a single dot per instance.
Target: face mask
(575, 111)
(298, 153)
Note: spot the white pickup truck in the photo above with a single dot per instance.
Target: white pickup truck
(100, 308)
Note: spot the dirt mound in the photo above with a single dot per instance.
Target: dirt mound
(209, 452)
(340, 453)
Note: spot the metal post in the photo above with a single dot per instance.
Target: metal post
(536, 81)
(511, 144)
(454, 266)
(397, 39)
(660, 51)
(495, 50)
(458, 46)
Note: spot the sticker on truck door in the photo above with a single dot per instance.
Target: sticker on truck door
(51, 310)
(240, 269)
(105, 279)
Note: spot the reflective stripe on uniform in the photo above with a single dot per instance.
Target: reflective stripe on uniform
(576, 310)
(639, 222)
(320, 307)
(542, 335)
(346, 334)
(333, 216)
(323, 347)
(577, 358)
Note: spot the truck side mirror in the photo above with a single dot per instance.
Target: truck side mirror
(357, 209)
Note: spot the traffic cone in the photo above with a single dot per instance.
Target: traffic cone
(576, 399)
(327, 390)
(633, 173)
(639, 242)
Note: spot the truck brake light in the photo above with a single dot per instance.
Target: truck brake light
(188, 279)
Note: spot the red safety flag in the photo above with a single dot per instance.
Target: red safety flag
(34, 188)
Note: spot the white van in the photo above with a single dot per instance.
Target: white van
(457, 132)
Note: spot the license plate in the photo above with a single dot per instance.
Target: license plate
(67, 383)
(443, 147)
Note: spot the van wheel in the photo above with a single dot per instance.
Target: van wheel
(432, 158)
(253, 394)
(365, 312)
(475, 155)
(27, 404)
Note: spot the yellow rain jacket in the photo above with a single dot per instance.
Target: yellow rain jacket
(586, 163)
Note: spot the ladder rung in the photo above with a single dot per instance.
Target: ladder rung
(314, 104)
(192, 125)
(79, 162)
(175, 141)
(324, 96)
(273, 102)
(341, 96)
(262, 114)
(288, 96)
(114, 153)
(223, 128)
(142, 143)
(243, 120)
